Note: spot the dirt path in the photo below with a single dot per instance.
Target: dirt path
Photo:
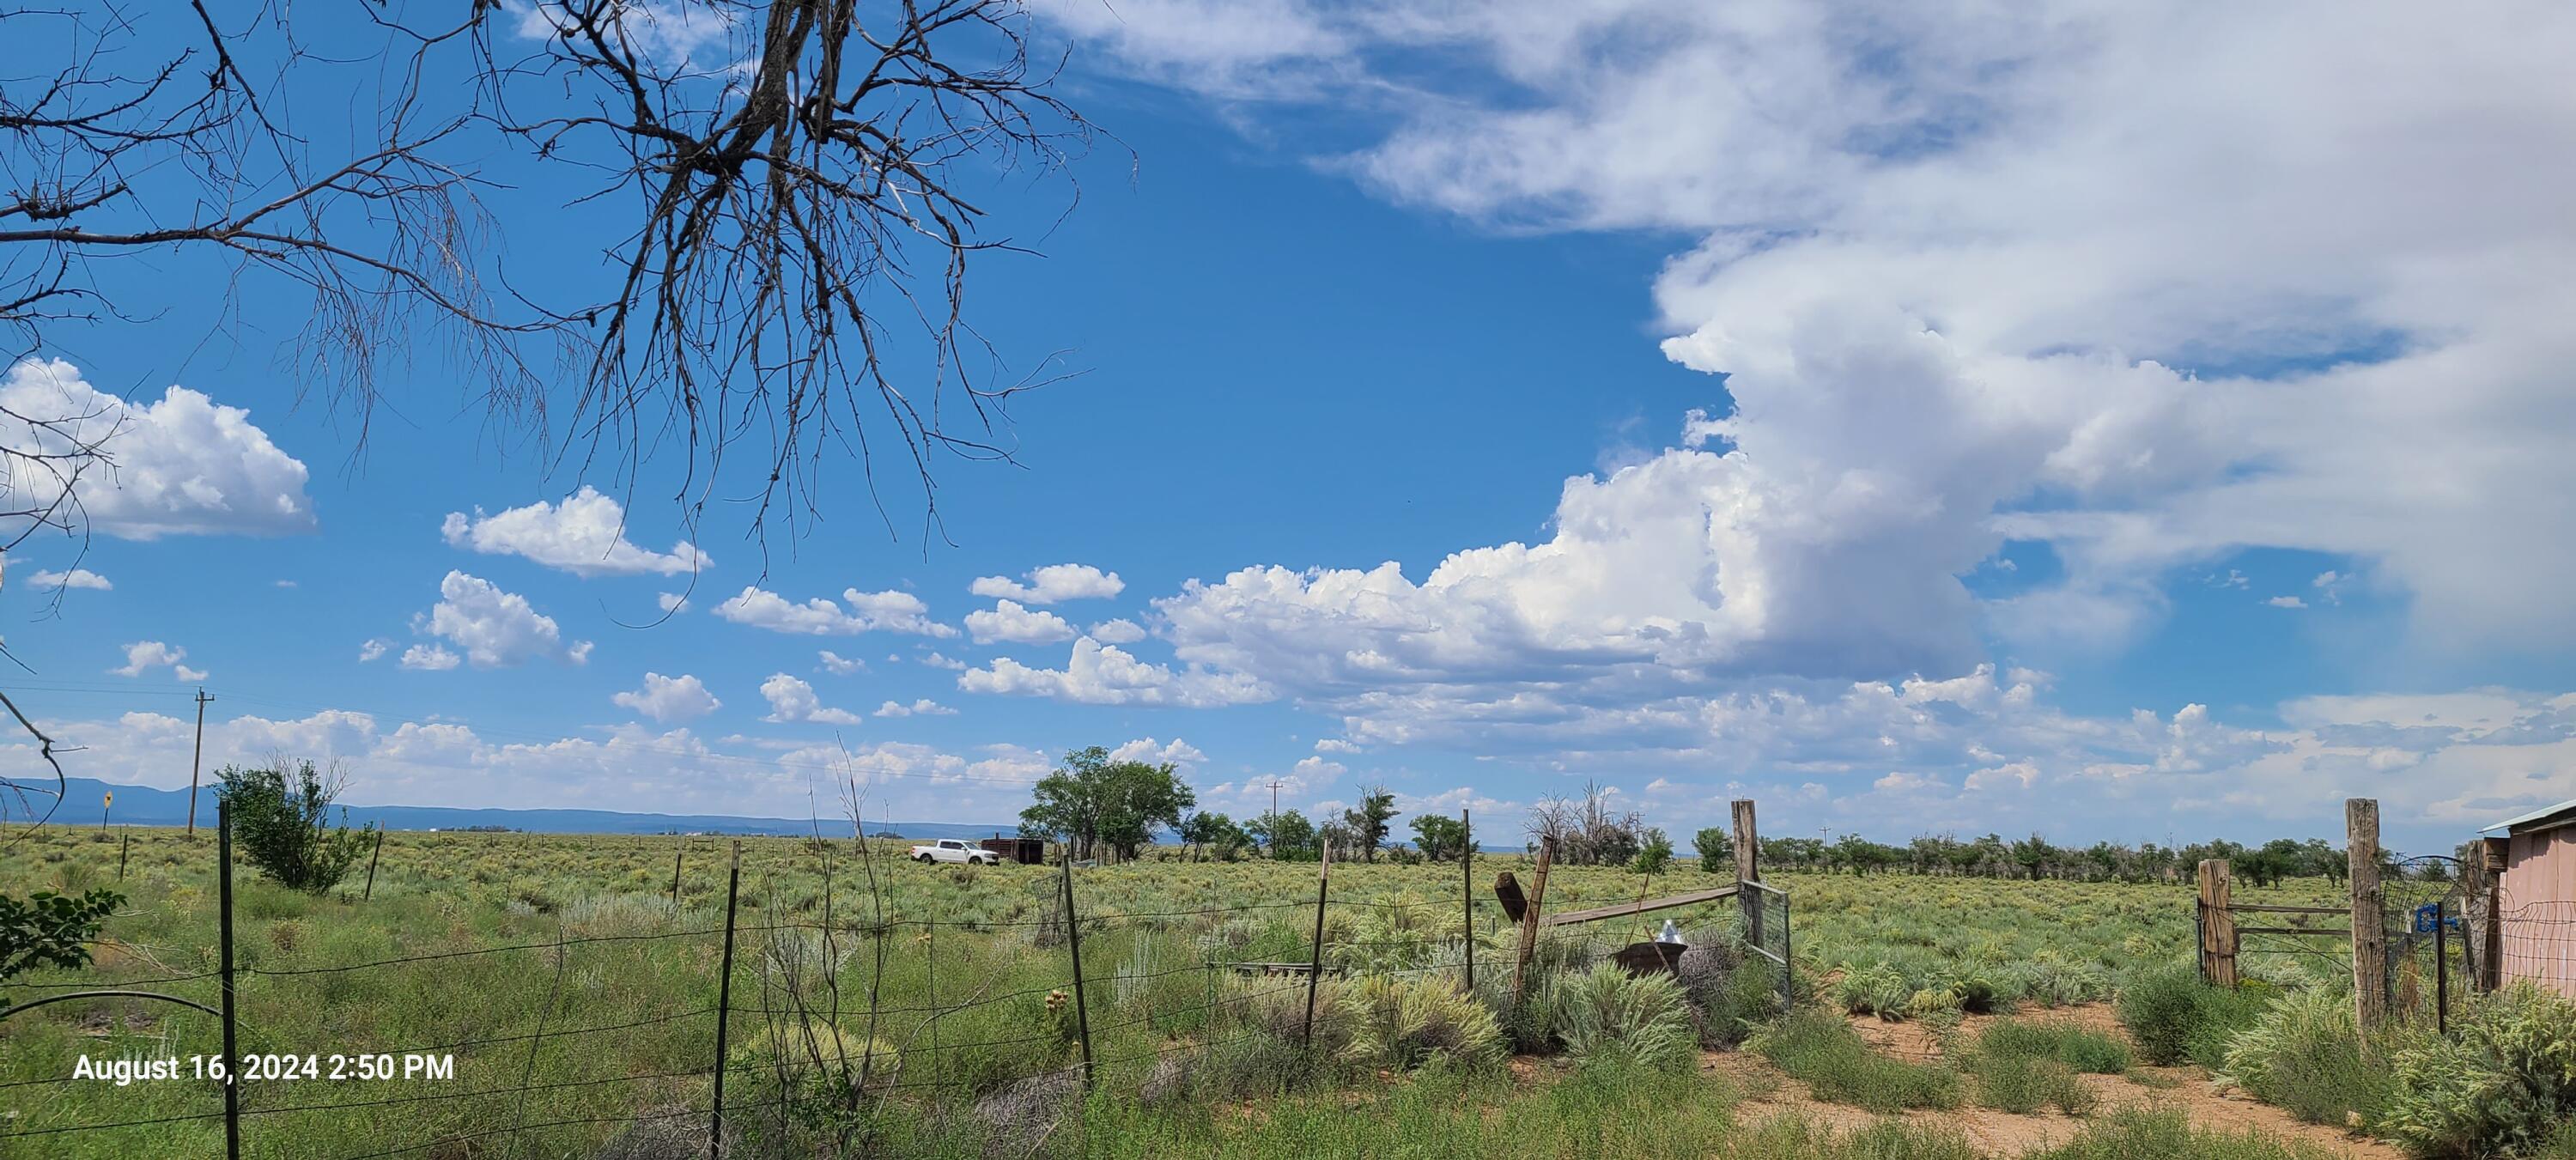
(1766, 1091)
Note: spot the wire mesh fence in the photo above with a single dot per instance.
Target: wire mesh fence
(773, 1018)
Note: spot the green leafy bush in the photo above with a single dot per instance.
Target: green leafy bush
(2504, 1083)
(281, 825)
(51, 930)
(1603, 1013)
(2305, 1054)
(1877, 989)
(1819, 1048)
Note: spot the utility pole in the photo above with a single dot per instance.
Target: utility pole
(1274, 817)
(198, 763)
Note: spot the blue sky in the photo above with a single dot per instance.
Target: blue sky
(1953, 436)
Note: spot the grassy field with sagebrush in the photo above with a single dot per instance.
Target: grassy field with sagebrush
(578, 1002)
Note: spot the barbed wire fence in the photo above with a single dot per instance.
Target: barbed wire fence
(760, 1026)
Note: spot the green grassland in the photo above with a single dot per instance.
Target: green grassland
(578, 1000)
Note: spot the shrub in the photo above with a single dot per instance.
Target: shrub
(1877, 989)
(1821, 1049)
(2067, 1043)
(2023, 1084)
(1603, 1013)
(1402, 1023)
(2504, 1083)
(2141, 1134)
(1729, 995)
(2305, 1054)
(282, 826)
(2174, 1017)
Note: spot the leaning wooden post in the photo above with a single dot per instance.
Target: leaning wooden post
(232, 1054)
(1315, 968)
(1748, 868)
(372, 855)
(2490, 940)
(2369, 925)
(1073, 939)
(2217, 924)
(124, 842)
(676, 855)
(1467, 888)
(1529, 918)
(724, 1004)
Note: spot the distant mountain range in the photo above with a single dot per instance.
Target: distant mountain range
(144, 806)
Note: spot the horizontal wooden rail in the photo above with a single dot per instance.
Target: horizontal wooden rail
(2250, 908)
(2332, 930)
(1640, 907)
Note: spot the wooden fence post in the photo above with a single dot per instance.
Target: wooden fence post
(1467, 889)
(724, 1004)
(676, 855)
(1748, 868)
(124, 842)
(2369, 925)
(2217, 924)
(1315, 969)
(2490, 943)
(1073, 939)
(1529, 918)
(372, 855)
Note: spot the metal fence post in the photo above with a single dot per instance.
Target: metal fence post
(724, 1000)
(1315, 968)
(1467, 889)
(372, 855)
(1073, 940)
(224, 939)
(2442, 966)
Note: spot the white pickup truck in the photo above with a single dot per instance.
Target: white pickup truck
(952, 850)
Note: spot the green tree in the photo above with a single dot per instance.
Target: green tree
(1368, 822)
(1090, 802)
(281, 823)
(1654, 854)
(1716, 850)
(1289, 837)
(1440, 836)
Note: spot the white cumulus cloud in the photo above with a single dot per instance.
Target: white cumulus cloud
(143, 655)
(889, 611)
(1052, 584)
(76, 578)
(669, 698)
(493, 627)
(1118, 631)
(792, 700)
(1100, 674)
(925, 707)
(185, 465)
(429, 658)
(1008, 621)
(584, 535)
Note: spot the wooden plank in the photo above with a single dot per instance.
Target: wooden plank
(1638, 907)
(2249, 908)
(2333, 930)
(2217, 925)
(2369, 934)
(1748, 868)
